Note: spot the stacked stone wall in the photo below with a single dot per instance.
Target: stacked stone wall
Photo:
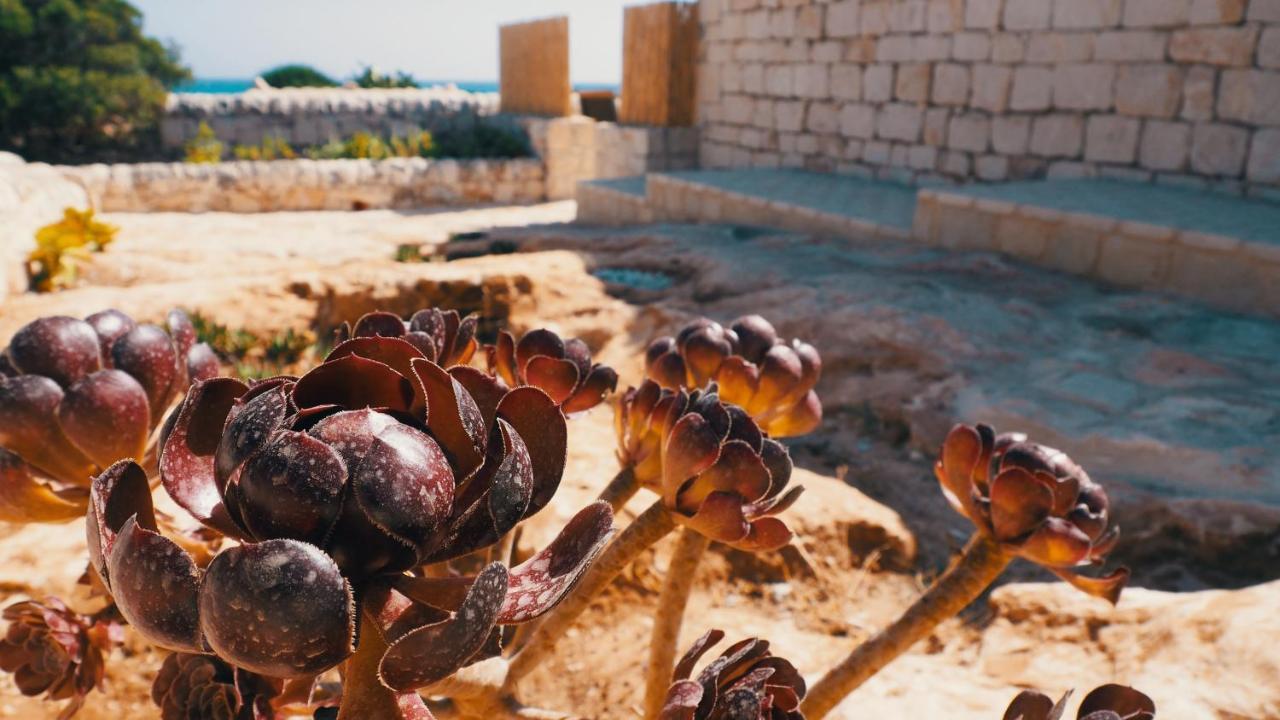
(1176, 91)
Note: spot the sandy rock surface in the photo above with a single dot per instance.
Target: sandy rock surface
(905, 355)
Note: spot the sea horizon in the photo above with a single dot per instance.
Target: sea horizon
(227, 86)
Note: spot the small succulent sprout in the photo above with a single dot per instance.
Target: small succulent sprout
(754, 369)
(561, 368)
(337, 484)
(715, 470)
(442, 336)
(53, 650)
(1108, 702)
(204, 687)
(78, 395)
(1034, 500)
(746, 682)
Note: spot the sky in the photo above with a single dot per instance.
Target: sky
(432, 39)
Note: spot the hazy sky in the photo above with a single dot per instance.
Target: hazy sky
(432, 39)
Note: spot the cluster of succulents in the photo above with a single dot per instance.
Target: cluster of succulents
(360, 516)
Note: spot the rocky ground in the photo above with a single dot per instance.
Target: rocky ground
(1172, 406)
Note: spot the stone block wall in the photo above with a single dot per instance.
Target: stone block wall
(312, 116)
(285, 185)
(1178, 91)
(578, 148)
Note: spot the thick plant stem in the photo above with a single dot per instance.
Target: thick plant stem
(621, 489)
(363, 694)
(670, 615)
(651, 526)
(979, 565)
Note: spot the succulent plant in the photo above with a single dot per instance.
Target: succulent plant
(203, 687)
(53, 650)
(716, 472)
(772, 380)
(746, 682)
(337, 484)
(442, 336)
(1108, 702)
(561, 368)
(78, 395)
(1034, 500)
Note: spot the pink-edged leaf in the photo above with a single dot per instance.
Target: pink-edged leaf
(1057, 544)
(354, 383)
(181, 330)
(502, 358)
(668, 370)
(555, 377)
(682, 701)
(739, 469)
(453, 418)
(393, 352)
(119, 493)
(538, 584)
(535, 343)
(279, 608)
(292, 488)
(29, 427)
(110, 325)
(755, 336)
(62, 349)
(781, 381)
(24, 499)
(1108, 587)
(147, 353)
(155, 583)
(600, 382)
(766, 534)
(691, 447)
(1019, 504)
(486, 390)
(187, 455)
(248, 424)
(720, 518)
(542, 428)
(106, 415)
(709, 639)
(434, 652)
(1029, 705)
(202, 363)
(801, 418)
(1122, 700)
(404, 484)
(958, 462)
(379, 324)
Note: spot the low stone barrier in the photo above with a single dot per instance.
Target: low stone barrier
(284, 185)
(31, 195)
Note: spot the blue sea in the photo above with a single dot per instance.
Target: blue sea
(222, 86)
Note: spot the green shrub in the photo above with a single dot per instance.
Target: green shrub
(483, 140)
(79, 81)
(297, 76)
(371, 78)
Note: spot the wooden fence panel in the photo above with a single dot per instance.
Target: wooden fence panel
(659, 61)
(535, 67)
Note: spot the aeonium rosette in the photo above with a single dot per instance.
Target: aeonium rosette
(78, 395)
(442, 336)
(747, 682)
(561, 368)
(714, 469)
(337, 486)
(1108, 702)
(1032, 499)
(753, 368)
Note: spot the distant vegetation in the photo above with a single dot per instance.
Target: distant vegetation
(482, 140)
(371, 78)
(297, 76)
(79, 81)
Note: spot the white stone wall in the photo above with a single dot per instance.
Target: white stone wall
(578, 148)
(283, 185)
(1179, 91)
(32, 195)
(311, 116)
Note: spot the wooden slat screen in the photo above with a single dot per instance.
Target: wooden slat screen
(535, 67)
(659, 61)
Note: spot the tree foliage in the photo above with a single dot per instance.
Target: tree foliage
(297, 76)
(79, 80)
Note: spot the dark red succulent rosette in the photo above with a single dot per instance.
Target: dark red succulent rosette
(715, 470)
(338, 484)
(754, 369)
(78, 395)
(746, 682)
(203, 687)
(1108, 702)
(442, 336)
(1034, 500)
(561, 368)
(53, 650)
